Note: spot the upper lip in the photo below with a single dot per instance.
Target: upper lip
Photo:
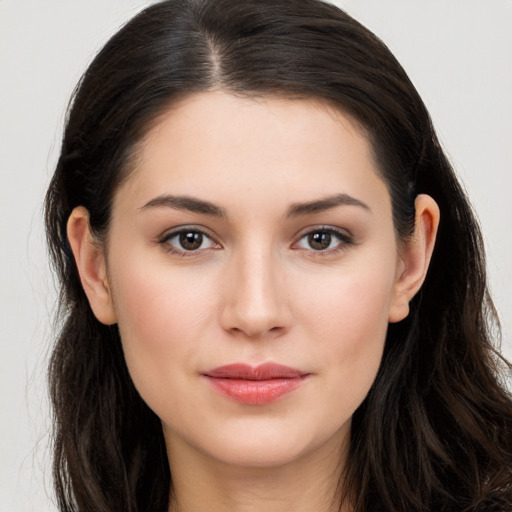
(266, 371)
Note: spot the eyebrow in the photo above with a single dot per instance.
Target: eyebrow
(326, 203)
(196, 205)
(192, 204)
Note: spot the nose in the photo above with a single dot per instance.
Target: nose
(255, 301)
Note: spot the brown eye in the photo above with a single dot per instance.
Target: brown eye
(320, 240)
(187, 240)
(325, 240)
(190, 240)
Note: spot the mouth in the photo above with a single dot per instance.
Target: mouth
(258, 385)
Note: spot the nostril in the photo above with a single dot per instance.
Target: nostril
(257, 333)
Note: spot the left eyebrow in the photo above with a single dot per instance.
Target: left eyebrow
(326, 203)
(191, 204)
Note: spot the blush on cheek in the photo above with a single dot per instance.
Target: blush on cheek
(351, 322)
(356, 309)
(160, 314)
(154, 302)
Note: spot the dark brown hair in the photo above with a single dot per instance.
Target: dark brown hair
(435, 431)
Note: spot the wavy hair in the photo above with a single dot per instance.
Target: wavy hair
(435, 431)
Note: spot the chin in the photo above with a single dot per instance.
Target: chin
(264, 444)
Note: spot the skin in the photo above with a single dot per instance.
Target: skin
(255, 291)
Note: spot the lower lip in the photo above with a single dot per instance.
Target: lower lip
(255, 392)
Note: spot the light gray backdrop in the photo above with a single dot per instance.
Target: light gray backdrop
(457, 52)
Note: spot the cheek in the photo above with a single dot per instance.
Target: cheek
(352, 305)
(350, 321)
(151, 297)
(160, 315)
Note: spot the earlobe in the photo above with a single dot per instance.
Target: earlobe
(91, 264)
(415, 257)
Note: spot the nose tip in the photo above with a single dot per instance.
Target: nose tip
(254, 322)
(255, 303)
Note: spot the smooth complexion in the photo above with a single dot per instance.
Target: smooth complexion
(253, 232)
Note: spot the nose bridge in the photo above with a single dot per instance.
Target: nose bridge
(255, 302)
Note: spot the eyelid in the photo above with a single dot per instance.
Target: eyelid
(167, 235)
(346, 239)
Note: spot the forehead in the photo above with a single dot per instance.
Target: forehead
(218, 144)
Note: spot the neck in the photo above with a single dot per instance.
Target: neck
(308, 483)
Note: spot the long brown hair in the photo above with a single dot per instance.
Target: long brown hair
(435, 431)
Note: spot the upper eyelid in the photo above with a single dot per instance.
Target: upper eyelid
(345, 241)
(344, 236)
(165, 241)
(170, 233)
(342, 232)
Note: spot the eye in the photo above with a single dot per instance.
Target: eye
(187, 240)
(324, 239)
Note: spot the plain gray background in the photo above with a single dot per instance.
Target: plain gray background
(457, 52)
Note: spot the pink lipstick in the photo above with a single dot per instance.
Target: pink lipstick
(258, 385)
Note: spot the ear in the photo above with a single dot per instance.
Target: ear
(91, 264)
(415, 257)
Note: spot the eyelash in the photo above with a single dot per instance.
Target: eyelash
(165, 239)
(344, 241)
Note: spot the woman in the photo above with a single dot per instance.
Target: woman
(273, 287)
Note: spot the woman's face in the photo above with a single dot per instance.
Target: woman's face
(253, 232)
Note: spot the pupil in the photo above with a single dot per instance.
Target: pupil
(191, 241)
(319, 241)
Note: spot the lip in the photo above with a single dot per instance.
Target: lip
(258, 385)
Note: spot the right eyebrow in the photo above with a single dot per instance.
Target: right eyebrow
(326, 203)
(189, 203)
